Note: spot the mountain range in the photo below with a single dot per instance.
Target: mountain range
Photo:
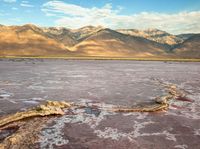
(31, 40)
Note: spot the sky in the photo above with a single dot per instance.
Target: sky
(173, 16)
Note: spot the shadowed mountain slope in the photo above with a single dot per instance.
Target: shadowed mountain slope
(154, 35)
(31, 40)
(190, 48)
(28, 40)
(109, 42)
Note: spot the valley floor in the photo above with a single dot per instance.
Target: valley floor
(25, 83)
(101, 58)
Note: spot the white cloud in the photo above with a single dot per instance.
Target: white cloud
(26, 4)
(9, 1)
(14, 8)
(75, 16)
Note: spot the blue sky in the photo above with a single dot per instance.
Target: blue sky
(174, 16)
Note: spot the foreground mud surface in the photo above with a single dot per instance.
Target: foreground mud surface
(98, 86)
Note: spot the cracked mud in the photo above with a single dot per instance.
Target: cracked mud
(112, 104)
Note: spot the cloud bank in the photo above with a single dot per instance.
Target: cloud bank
(74, 16)
(26, 4)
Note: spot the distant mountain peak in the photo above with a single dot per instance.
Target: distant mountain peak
(91, 27)
(152, 30)
(88, 28)
(154, 35)
(30, 39)
(31, 25)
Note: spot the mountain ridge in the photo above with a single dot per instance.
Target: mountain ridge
(30, 39)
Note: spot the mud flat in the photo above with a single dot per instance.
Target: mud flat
(98, 86)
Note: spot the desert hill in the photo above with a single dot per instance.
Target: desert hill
(190, 48)
(28, 40)
(109, 42)
(154, 35)
(31, 40)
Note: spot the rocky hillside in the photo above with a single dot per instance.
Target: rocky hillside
(109, 42)
(31, 40)
(28, 40)
(154, 35)
(190, 48)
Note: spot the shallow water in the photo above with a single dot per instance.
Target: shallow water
(105, 84)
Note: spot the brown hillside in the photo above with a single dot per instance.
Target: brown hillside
(28, 40)
(107, 42)
(189, 48)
